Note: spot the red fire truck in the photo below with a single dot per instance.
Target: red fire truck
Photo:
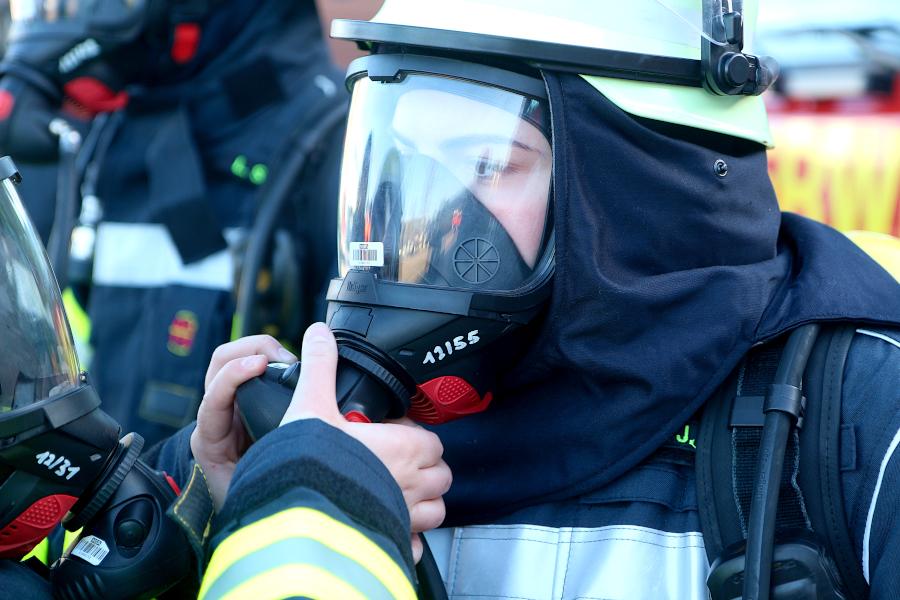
(835, 110)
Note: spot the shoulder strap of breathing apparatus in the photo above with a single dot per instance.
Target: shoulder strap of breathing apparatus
(776, 528)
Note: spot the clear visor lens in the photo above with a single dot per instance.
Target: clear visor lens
(445, 183)
(38, 358)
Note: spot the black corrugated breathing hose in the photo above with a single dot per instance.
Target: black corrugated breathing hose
(274, 197)
(783, 406)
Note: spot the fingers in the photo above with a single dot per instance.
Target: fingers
(216, 412)
(425, 484)
(404, 421)
(417, 548)
(398, 446)
(247, 346)
(428, 447)
(315, 396)
(427, 515)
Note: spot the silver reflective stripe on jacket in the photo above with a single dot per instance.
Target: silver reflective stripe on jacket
(544, 563)
(144, 255)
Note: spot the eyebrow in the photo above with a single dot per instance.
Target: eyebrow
(467, 140)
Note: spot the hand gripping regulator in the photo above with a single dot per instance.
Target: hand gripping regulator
(367, 392)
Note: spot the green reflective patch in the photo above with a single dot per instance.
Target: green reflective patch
(236, 327)
(259, 173)
(80, 325)
(70, 537)
(42, 550)
(78, 319)
(239, 167)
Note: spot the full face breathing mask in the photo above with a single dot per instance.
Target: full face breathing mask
(445, 242)
(62, 459)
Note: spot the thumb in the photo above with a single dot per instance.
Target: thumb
(314, 397)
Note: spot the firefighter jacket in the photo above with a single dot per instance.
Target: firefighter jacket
(667, 274)
(180, 174)
(640, 536)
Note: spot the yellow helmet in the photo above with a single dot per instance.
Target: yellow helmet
(679, 61)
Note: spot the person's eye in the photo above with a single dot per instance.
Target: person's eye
(488, 168)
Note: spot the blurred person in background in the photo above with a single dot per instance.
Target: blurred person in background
(355, 489)
(41, 178)
(197, 122)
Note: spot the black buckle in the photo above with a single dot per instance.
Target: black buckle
(727, 70)
(801, 570)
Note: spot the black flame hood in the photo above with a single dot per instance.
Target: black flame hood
(667, 272)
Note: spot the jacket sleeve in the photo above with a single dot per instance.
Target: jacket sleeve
(310, 513)
(871, 456)
(20, 582)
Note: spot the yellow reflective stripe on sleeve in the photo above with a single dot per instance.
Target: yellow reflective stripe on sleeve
(70, 537)
(79, 322)
(41, 552)
(303, 522)
(294, 580)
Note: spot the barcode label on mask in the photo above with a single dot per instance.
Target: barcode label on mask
(91, 549)
(366, 254)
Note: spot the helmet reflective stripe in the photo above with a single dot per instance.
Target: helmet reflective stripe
(739, 116)
(670, 28)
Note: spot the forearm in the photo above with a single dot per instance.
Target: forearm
(316, 507)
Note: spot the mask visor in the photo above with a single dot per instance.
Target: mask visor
(445, 182)
(38, 359)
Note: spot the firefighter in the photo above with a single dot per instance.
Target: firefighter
(335, 499)
(556, 221)
(563, 237)
(200, 121)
